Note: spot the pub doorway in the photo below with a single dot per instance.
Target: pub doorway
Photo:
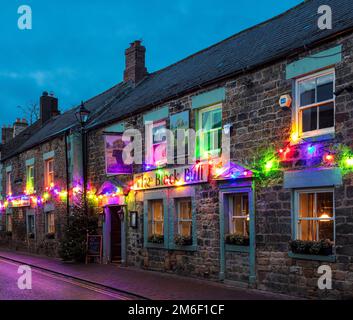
(115, 234)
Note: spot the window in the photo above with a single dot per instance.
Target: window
(156, 218)
(30, 179)
(30, 224)
(315, 215)
(9, 222)
(49, 173)
(184, 214)
(8, 183)
(50, 222)
(159, 143)
(210, 138)
(239, 214)
(316, 103)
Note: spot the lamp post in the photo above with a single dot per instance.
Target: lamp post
(82, 116)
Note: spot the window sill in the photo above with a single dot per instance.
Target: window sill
(235, 248)
(331, 258)
(155, 245)
(184, 248)
(316, 138)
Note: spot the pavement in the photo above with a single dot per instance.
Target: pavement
(148, 284)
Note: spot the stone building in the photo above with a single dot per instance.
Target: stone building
(269, 216)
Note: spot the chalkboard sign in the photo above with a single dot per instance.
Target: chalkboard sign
(94, 247)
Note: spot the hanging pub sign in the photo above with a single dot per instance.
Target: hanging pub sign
(19, 202)
(173, 177)
(114, 146)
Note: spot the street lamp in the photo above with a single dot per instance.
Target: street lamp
(82, 116)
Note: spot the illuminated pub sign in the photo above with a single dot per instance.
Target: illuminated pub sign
(19, 202)
(173, 177)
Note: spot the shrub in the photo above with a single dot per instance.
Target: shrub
(50, 236)
(156, 238)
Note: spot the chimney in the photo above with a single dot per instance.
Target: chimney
(135, 68)
(7, 134)
(48, 107)
(19, 126)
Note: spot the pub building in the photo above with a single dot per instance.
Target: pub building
(266, 216)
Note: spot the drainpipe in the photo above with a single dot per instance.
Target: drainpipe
(252, 253)
(67, 177)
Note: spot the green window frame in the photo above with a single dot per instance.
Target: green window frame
(209, 128)
(30, 179)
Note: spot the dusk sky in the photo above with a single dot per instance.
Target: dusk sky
(76, 48)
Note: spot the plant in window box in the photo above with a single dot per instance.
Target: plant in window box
(50, 236)
(180, 240)
(323, 247)
(156, 238)
(237, 240)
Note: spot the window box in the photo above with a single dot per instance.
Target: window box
(237, 240)
(50, 236)
(310, 257)
(182, 240)
(235, 248)
(316, 248)
(156, 239)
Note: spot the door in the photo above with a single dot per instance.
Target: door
(115, 235)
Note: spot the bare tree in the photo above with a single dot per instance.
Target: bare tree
(31, 112)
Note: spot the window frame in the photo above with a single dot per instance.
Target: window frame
(47, 184)
(201, 132)
(178, 211)
(299, 108)
(297, 206)
(30, 179)
(231, 216)
(9, 183)
(34, 223)
(7, 216)
(152, 221)
(47, 231)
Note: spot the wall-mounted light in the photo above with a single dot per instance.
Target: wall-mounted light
(227, 128)
(285, 101)
(133, 219)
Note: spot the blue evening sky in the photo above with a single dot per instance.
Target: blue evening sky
(76, 48)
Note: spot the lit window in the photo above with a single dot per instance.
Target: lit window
(315, 215)
(50, 222)
(210, 129)
(239, 214)
(316, 104)
(156, 218)
(184, 210)
(9, 222)
(8, 183)
(49, 173)
(30, 179)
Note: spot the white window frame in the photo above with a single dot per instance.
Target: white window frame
(231, 211)
(298, 108)
(215, 152)
(47, 172)
(153, 220)
(179, 219)
(297, 219)
(47, 231)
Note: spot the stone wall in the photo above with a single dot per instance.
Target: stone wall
(19, 239)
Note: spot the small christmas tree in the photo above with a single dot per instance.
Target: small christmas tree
(73, 245)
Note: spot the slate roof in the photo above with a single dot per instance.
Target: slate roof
(271, 40)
